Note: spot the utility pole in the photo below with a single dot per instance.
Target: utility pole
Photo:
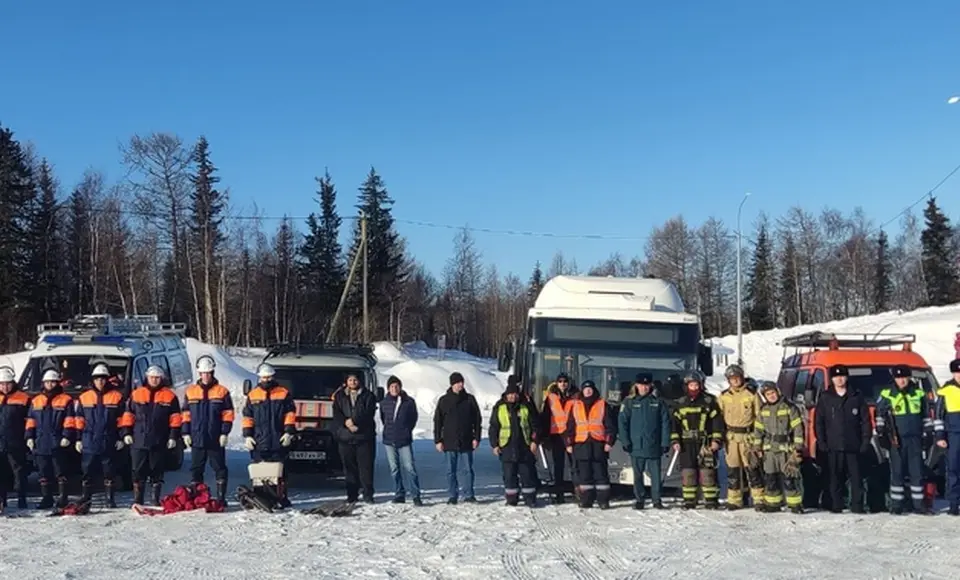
(740, 283)
(363, 237)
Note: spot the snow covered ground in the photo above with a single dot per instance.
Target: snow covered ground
(488, 540)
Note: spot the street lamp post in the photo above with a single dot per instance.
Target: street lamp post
(740, 283)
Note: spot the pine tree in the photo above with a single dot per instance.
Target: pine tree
(45, 244)
(791, 298)
(17, 204)
(761, 294)
(883, 284)
(80, 209)
(386, 259)
(535, 285)
(939, 264)
(207, 207)
(322, 271)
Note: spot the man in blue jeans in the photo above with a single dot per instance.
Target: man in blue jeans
(456, 432)
(398, 413)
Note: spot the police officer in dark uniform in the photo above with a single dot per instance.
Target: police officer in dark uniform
(843, 431)
(902, 418)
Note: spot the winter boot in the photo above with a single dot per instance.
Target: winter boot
(896, 508)
(3, 501)
(603, 498)
(530, 500)
(711, 504)
(513, 499)
(63, 498)
(399, 499)
(797, 509)
(108, 489)
(954, 510)
(46, 494)
(222, 492)
(638, 505)
(138, 492)
(85, 491)
(418, 502)
(658, 505)
(732, 507)
(690, 504)
(282, 493)
(22, 498)
(157, 492)
(586, 498)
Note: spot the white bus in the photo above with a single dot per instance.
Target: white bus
(607, 330)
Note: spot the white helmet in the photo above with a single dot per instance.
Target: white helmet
(7, 375)
(155, 371)
(206, 364)
(51, 375)
(265, 371)
(100, 371)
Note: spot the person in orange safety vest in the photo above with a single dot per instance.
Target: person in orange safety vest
(591, 432)
(554, 418)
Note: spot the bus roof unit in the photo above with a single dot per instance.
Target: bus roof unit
(610, 298)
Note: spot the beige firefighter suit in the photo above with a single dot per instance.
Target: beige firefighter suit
(739, 408)
(779, 434)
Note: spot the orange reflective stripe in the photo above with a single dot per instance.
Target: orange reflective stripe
(31, 423)
(185, 416)
(558, 414)
(589, 427)
(226, 416)
(176, 421)
(290, 419)
(247, 423)
(125, 420)
(69, 423)
(80, 423)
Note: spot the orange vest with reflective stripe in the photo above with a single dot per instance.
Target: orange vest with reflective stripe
(558, 414)
(589, 426)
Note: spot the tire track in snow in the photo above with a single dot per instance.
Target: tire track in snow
(515, 565)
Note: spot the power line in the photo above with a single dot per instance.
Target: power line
(923, 197)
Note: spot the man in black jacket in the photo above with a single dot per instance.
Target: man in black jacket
(354, 418)
(843, 433)
(457, 426)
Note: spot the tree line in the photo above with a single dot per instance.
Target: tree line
(166, 240)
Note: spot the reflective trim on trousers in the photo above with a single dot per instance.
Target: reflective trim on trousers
(896, 493)
(528, 490)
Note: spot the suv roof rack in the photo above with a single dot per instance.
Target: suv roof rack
(832, 341)
(300, 349)
(107, 325)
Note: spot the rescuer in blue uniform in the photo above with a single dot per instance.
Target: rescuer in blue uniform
(902, 418)
(948, 411)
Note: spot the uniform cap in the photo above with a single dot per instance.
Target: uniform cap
(643, 379)
(7, 375)
(955, 366)
(155, 371)
(839, 371)
(51, 375)
(206, 364)
(588, 385)
(563, 377)
(902, 371)
(100, 371)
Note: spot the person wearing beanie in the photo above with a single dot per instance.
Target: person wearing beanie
(513, 437)
(457, 428)
(399, 415)
(553, 421)
(591, 432)
(948, 415)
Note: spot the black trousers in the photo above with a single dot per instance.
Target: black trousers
(358, 460)
(149, 463)
(593, 474)
(560, 459)
(13, 475)
(843, 467)
(519, 476)
(95, 466)
(198, 463)
(51, 466)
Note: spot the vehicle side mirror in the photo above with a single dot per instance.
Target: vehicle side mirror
(380, 394)
(809, 398)
(247, 386)
(705, 359)
(505, 359)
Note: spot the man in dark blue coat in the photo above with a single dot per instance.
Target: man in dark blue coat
(644, 432)
(399, 415)
(355, 421)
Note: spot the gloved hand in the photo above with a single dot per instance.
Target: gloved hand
(128, 440)
(171, 443)
(249, 443)
(30, 444)
(118, 446)
(223, 441)
(286, 439)
(79, 446)
(64, 442)
(664, 450)
(188, 440)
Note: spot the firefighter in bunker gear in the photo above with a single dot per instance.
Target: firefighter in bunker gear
(591, 432)
(739, 407)
(948, 413)
(513, 435)
(269, 422)
(902, 419)
(156, 428)
(207, 418)
(778, 440)
(50, 431)
(14, 406)
(697, 435)
(102, 422)
(554, 419)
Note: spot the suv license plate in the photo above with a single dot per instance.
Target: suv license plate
(314, 455)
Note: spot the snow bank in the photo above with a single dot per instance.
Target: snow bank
(230, 374)
(17, 360)
(935, 329)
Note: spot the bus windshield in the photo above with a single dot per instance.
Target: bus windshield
(612, 371)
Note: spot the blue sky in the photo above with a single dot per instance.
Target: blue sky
(568, 117)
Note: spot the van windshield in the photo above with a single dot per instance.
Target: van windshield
(871, 380)
(316, 383)
(74, 371)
